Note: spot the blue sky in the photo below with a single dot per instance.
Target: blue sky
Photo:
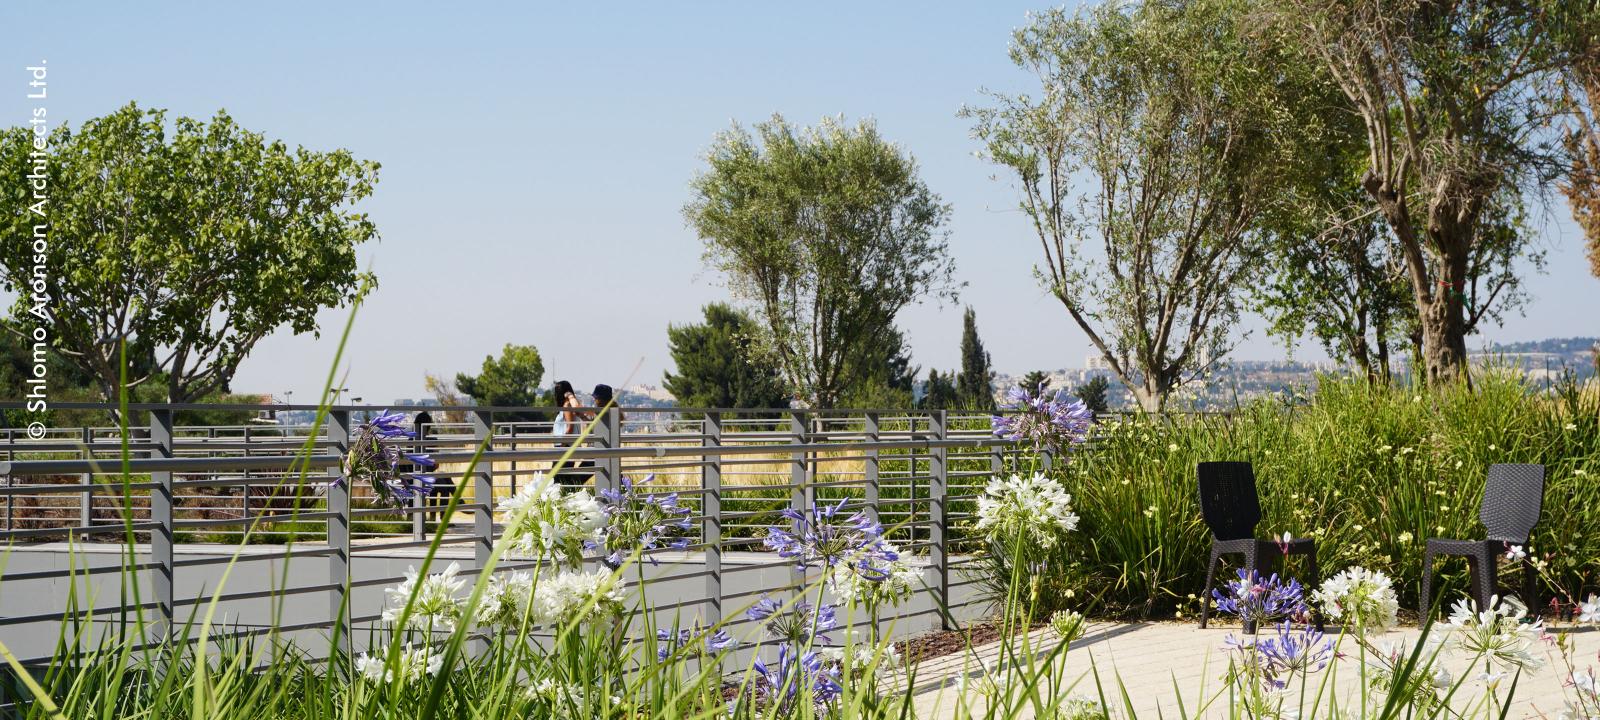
(536, 157)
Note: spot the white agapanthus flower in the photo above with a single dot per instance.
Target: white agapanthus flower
(543, 521)
(1497, 633)
(577, 596)
(563, 698)
(437, 606)
(411, 664)
(505, 600)
(1034, 507)
(1360, 598)
(901, 581)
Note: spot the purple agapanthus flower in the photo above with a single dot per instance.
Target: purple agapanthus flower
(669, 642)
(780, 683)
(820, 537)
(1055, 422)
(796, 622)
(376, 457)
(1256, 601)
(640, 521)
(1276, 660)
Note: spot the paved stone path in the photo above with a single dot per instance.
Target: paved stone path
(1159, 663)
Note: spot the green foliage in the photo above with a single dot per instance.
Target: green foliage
(1034, 380)
(1456, 101)
(512, 380)
(829, 232)
(939, 393)
(1093, 394)
(1154, 133)
(193, 243)
(720, 365)
(884, 375)
(974, 387)
(1370, 472)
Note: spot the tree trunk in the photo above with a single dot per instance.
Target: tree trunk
(1444, 342)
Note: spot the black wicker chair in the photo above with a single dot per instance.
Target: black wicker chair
(1230, 507)
(1513, 496)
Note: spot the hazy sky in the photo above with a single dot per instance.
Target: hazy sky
(535, 160)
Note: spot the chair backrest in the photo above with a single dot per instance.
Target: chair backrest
(1228, 499)
(1513, 496)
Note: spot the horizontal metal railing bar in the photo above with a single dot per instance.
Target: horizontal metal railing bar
(110, 527)
(253, 594)
(74, 489)
(203, 464)
(288, 553)
(73, 572)
(264, 519)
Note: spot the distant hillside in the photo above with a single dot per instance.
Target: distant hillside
(1560, 346)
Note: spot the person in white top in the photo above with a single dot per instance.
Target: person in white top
(568, 422)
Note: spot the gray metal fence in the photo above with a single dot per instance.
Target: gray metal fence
(188, 493)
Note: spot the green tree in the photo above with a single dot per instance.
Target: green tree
(883, 373)
(194, 244)
(974, 386)
(512, 380)
(1335, 270)
(1094, 393)
(828, 232)
(720, 364)
(940, 392)
(1456, 100)
(1155, 134)
(1034, 381)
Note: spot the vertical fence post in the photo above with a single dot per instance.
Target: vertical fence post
(161, 515)
(799, 489)
(609, 435)
(711, 509)
(482, 491)
(338, 431)
(86, 502)
(871, 469)
(938, 519)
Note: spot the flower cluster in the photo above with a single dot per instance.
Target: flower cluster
(1034, 508)
(899, 581)
(1360, 598)
(1496, 633)
(544, 522)
(1257, 601)
(796, 622)
(1274, 661)
(577, 596)
(411, 664)
(779, 684)
(376, 456)
(436, 606)
(1055, 422)
(861, 653)
(669, 642)
(639, 521)
(1067, 625)
(509, 600)
(562, 699)
(820, 537)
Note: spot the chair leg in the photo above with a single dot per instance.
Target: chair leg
(1483, 577)
(1315, 582)
(1211, 578)
(1530, 588)
(1425, 602)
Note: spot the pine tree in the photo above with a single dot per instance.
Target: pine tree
(974, 389)
(939, 393)
(1035, 381)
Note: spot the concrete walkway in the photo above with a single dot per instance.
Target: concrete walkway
(1161, 663)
